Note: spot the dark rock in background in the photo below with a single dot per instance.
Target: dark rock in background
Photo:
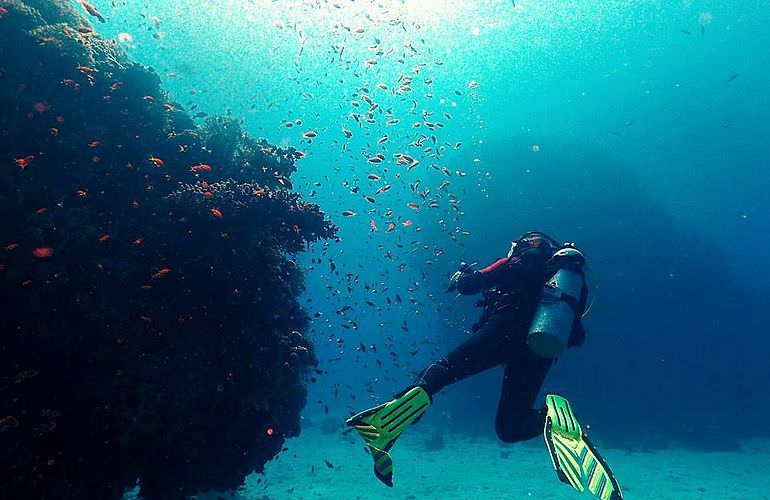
(150, 327)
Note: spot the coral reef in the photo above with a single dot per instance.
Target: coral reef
(150, 326)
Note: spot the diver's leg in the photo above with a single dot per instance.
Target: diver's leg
(382, 425)
(517, 419)
(483, 350)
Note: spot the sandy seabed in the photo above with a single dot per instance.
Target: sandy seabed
(488, 469)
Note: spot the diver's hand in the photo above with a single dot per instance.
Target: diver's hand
(456, 277)
(453, 281)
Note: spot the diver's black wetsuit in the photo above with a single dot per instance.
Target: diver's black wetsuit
(512, 289)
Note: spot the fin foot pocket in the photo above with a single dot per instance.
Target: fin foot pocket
(574, 457)
(382, 425)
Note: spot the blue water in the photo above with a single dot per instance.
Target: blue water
(637, 129)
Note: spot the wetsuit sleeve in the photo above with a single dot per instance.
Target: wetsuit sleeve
(476, 281)
(527, 262)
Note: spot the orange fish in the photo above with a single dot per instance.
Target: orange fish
(156, 161)
(138, 241)
(373, 225)
(391, 227)
(267, 151)
(135, 204)
(259, 192)
(146, 319)
(69, 82)
(161, 273)
(116, 85)
(94, 144)
(208, 195)
(92, 11)
(168, 107)
(202, 167)
(43, 252)
(12, 246)
(7, 422)
(407, 223)
(217, 213)
(105, 238)
(413, 206)
(54, 131)
(41, 211)
(3, 11)
(81, 193)
(24, 162)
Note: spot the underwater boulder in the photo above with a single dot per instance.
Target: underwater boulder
(151, 332)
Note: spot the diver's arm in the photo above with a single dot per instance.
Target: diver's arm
(470, 283)
(530, 260)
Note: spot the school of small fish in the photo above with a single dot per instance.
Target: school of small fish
(397, 172)
(395, 178)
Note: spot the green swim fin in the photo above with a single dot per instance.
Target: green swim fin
(575, 459)
(382, 425)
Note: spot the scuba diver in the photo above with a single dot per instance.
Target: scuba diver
(534, 300)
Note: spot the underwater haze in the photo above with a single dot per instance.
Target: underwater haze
(424, 133)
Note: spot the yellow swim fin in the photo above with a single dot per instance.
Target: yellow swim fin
(382, 425)
(575, 459)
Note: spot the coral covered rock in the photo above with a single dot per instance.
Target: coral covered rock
(150, 323)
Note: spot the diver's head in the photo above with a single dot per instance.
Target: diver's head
(533, 239)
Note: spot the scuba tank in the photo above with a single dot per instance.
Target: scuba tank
(551, 326)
